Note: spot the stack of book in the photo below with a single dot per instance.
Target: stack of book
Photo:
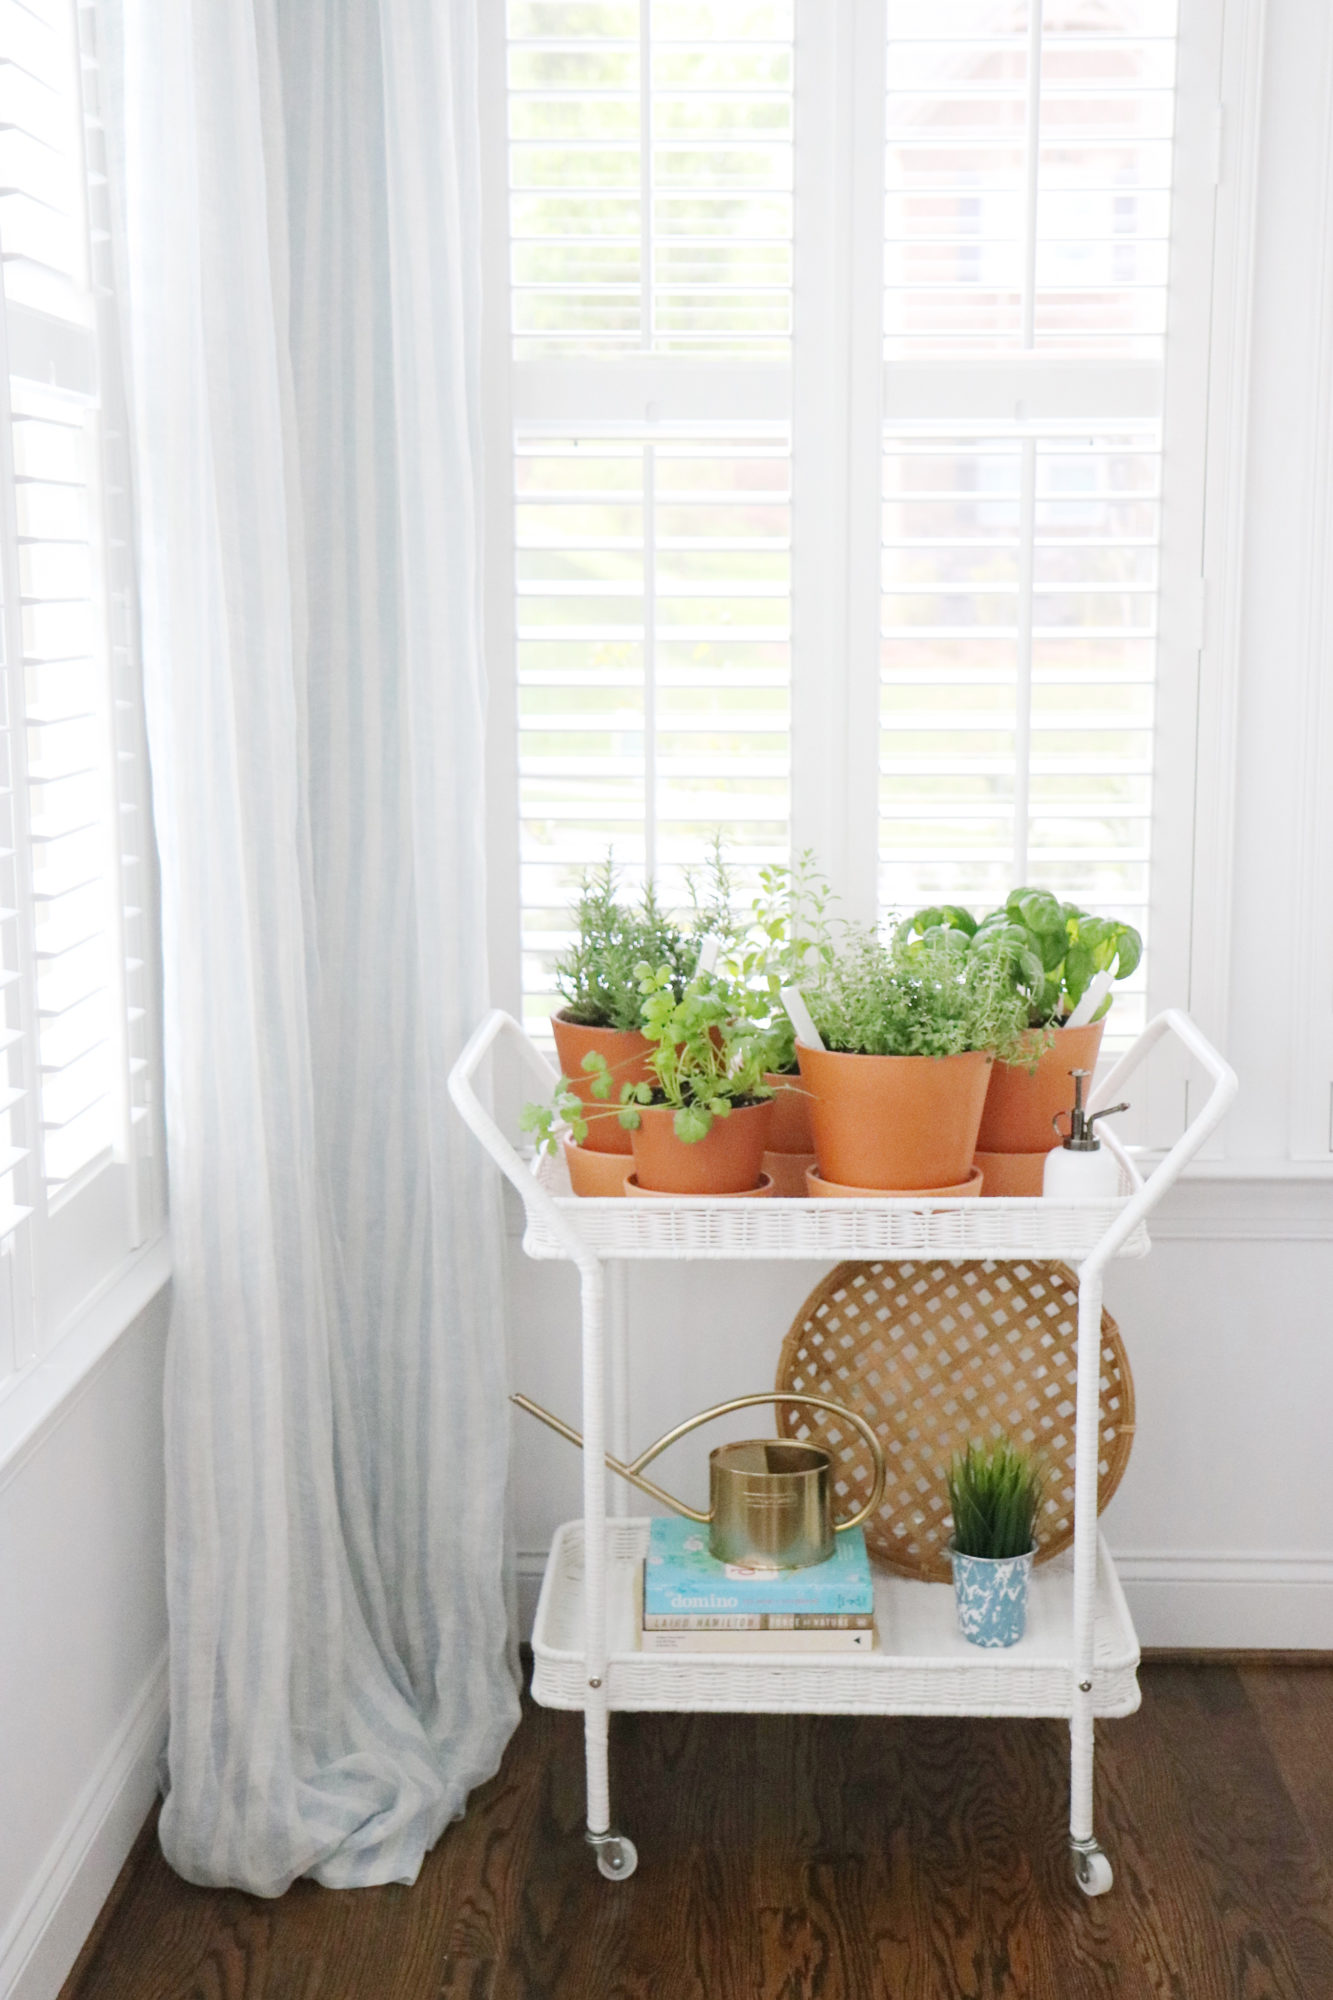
(695, 1604)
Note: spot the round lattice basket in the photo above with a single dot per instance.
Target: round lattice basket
(935, 1355)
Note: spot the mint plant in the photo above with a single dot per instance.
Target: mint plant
(788, 941)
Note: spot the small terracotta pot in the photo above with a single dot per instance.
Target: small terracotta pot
(1012, 1173)
(907, 1122)
(1020, 1104)
(728, 1160)
(594, 1174)
(792, 1131)
(787, 1173)
(820, 1190)
(761, 1193)
(626, 1052)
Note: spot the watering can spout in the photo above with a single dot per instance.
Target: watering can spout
(630, 1472)
(773, 1514)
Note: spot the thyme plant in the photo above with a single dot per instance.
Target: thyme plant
(934, 994)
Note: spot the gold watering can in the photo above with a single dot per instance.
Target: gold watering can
(769, 1504)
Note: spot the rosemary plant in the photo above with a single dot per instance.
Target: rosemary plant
(598, 976)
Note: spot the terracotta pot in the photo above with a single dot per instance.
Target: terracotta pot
(787, 1173)
(1012, 1173)
(594, 1174)
(761, 1193)
(895, 1121)
(1020, 1104)
(626, 1052)
(821, 1190)
(729, 1160)
(792, 1131)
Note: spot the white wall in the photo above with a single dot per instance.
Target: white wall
(83, 1631)
(1225, 1517)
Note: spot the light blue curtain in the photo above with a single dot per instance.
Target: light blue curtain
(301, 238)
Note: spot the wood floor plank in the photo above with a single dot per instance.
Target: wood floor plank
(818, 1858)
(1295, 1710)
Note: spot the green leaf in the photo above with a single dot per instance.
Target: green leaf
(1079, 968)
(691, 1123)
(1130, 951)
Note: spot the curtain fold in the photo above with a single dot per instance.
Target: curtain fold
(301, 222)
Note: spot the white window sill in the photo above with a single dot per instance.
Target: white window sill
(37, 1398)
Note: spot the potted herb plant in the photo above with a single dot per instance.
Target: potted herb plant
(787, 942)
(1027, 1090)
(700, 1123)
(909, 1026)
(995, 1496)
(598, 980)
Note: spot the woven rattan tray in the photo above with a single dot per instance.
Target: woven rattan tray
(934, 1354)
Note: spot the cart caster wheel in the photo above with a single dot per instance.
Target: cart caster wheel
(1092, 1870)
(617, 1856)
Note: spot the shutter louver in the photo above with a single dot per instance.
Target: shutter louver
(653, 659)
(651, 176)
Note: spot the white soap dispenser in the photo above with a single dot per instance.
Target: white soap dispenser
(1080, 1168)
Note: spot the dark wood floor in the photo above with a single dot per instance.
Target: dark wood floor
(798, 1858)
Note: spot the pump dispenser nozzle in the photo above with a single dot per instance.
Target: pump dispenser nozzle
(1082, 1138)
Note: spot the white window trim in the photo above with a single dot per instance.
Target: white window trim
(34, 1401)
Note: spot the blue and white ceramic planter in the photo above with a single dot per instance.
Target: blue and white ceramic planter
(991, 1595)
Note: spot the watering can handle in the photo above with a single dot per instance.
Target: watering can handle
(634, 1471)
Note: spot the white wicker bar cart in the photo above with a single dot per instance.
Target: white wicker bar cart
(1079, 1657)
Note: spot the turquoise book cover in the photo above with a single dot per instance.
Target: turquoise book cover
(681, 1579)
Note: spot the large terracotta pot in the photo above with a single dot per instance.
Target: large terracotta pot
(1012, 1173)
(626, 1052)
(1020, 1104)
(728, 1160)
(792, 1131)
(904, 1122)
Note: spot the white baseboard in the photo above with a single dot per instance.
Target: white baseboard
(1280, 1602)
(76, 1876)
(1205, 1600)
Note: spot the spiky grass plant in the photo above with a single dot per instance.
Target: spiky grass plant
(995, 1496)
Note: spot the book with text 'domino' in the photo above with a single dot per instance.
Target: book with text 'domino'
(687, 1589)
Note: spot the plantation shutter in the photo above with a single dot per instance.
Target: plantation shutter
(980, 281)
(1027, 200)
(651, 159)
(74, 1050)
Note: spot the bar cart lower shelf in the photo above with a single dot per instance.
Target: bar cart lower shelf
(1079, 1657)
(921, 1664)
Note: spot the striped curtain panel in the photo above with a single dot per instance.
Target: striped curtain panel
(301, 215)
